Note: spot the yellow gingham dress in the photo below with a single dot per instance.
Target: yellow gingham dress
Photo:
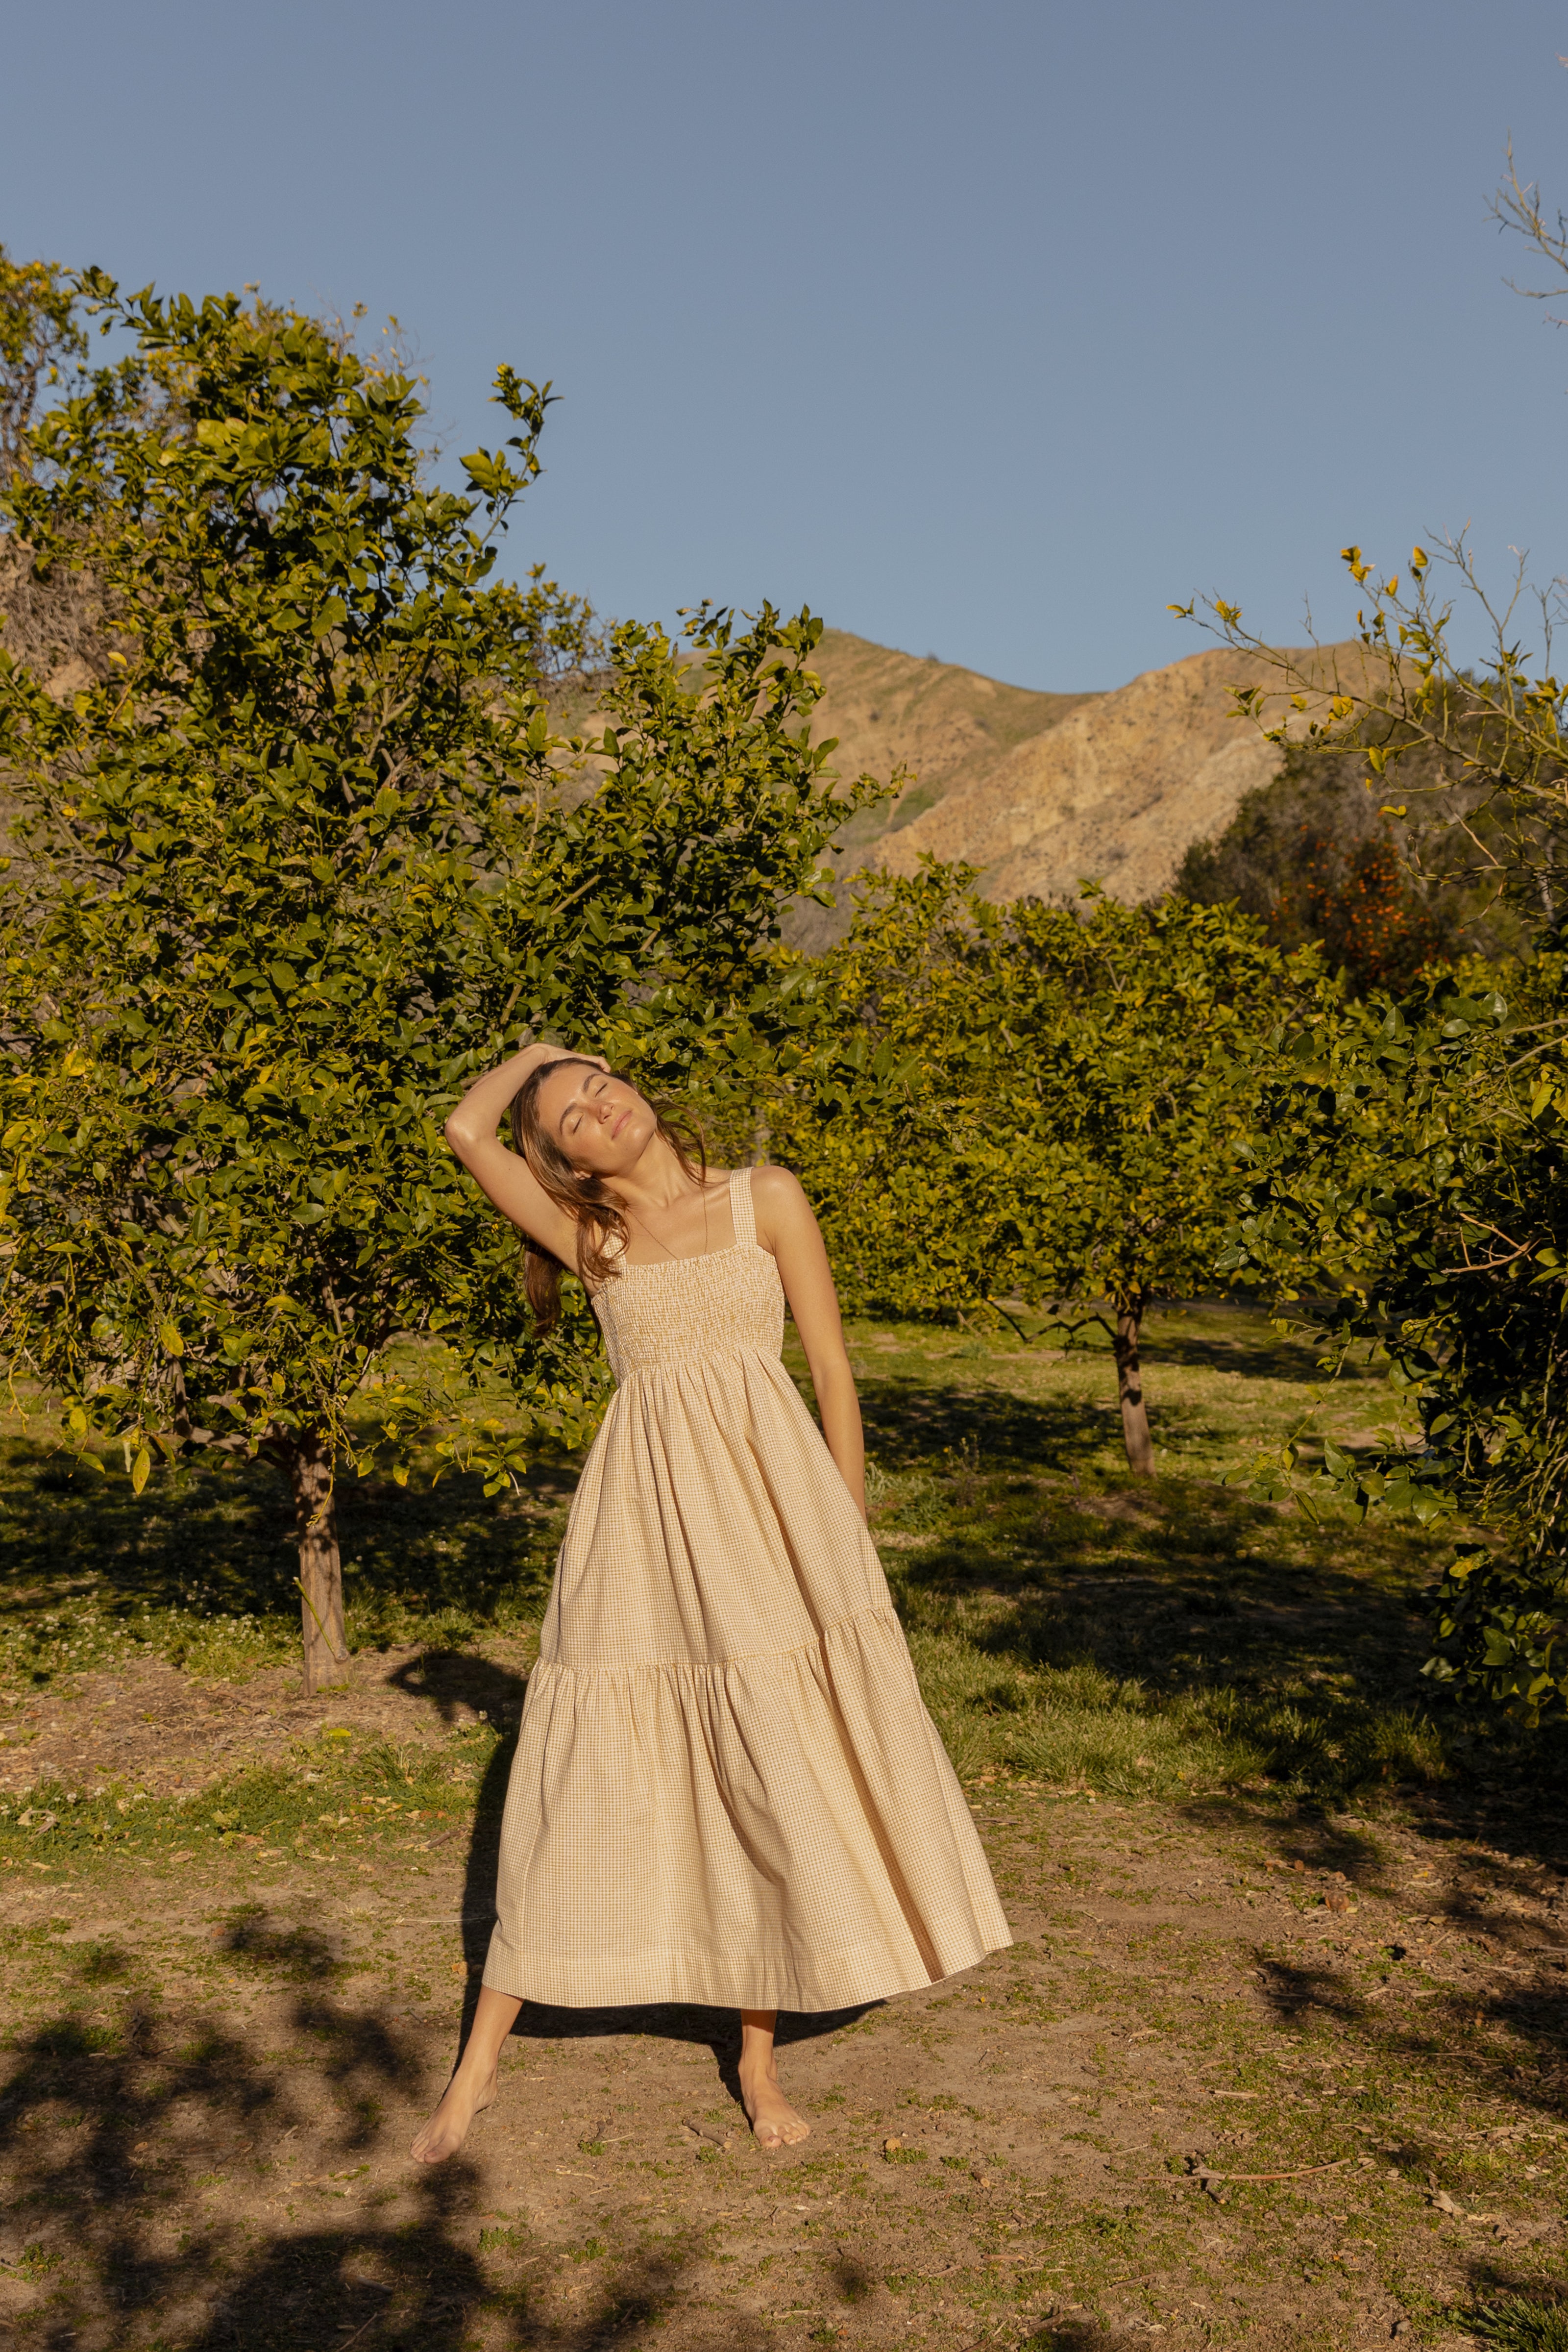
(726, 1788)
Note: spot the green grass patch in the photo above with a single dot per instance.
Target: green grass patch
(1521, 2323)
(335, 1798)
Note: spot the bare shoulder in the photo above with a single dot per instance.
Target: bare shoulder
(780, 1204)
(777, 1187)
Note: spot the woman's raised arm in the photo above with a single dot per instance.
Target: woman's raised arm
(501, 1173)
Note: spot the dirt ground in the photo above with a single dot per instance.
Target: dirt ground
(151, 1727)
(1240, 2078)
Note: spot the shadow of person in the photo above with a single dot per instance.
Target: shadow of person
(687, 2022)
(483, 1859)
(461, 1686)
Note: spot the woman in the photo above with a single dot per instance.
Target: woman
(727, 1788)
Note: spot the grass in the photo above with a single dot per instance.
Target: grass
(335, 1798)
(1171, 1641)
(1518, 2323)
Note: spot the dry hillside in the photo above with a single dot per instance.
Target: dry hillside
(951, 728)
(1043, 791)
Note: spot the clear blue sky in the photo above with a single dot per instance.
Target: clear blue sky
(985, 328)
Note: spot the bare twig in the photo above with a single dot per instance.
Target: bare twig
(1300, 2173)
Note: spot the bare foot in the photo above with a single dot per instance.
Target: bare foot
(774, 2122)
(447, 2129)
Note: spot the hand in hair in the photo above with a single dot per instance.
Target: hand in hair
(502, 1175)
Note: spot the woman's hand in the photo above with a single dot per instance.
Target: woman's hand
(502, 1175)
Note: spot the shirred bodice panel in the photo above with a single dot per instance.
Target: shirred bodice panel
(685, 1309)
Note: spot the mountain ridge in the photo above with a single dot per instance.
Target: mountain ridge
(1044, 791)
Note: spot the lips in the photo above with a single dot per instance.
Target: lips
(619, 1125)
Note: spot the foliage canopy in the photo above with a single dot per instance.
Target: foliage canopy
(1411, 1161)
(300, 864)
(1028, 1103)
(1409, 1167)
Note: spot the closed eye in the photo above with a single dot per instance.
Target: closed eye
(573, 1119)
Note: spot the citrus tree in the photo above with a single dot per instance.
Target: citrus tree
(1408, 1170)
(1029, 1103)
(41, 341)
(1412, 1164)
(297, 868)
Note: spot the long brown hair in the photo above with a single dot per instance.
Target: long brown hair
(598, 1215)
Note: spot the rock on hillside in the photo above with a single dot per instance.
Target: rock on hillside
(1116, 790)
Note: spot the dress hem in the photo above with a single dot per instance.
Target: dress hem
(555, 1983)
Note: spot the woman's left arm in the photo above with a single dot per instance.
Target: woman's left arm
(786, 1227)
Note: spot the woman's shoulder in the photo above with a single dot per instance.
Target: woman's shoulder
(778, 1198)
(765, 1182)
(771, 1182)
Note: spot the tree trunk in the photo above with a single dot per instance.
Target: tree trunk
(1136, 1435)
(321, 1565)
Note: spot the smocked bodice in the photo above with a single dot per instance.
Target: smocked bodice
(685, 1309)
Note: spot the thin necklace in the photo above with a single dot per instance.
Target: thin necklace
(652, 1237)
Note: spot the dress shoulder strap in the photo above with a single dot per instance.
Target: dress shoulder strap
(740, 1207)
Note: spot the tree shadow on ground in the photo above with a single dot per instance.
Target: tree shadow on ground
(1406, 2041)
(907, 1424)
(1303, 1643)
(213, 1536)
(1180, 1585)
(1085, 2334)
(122, 2231)
(1220, 1335)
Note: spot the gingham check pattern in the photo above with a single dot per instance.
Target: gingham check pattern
(726, 1787)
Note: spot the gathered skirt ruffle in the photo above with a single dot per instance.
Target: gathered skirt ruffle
(776, 1830)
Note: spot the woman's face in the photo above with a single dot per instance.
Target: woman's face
(602, 1124)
